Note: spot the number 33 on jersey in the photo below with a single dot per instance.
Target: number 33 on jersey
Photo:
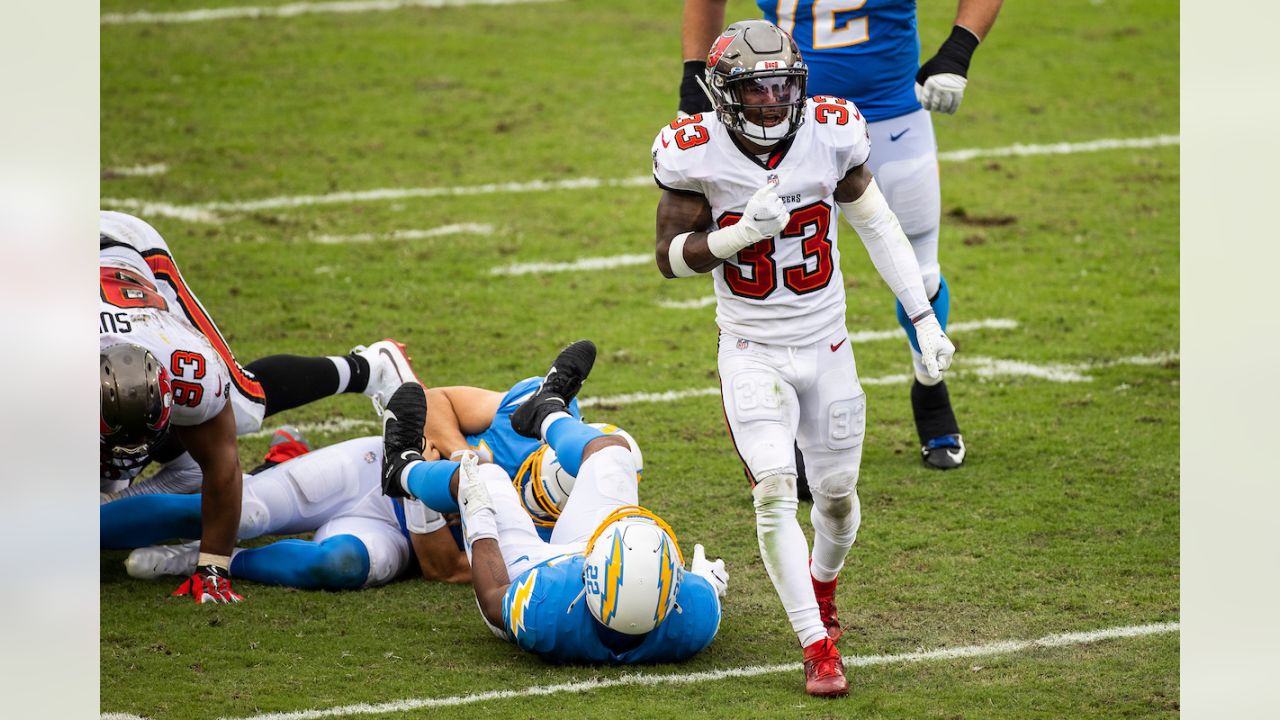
(787, 289)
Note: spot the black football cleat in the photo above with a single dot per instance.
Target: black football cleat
(403, 421)
(944, 453)
(559, 388)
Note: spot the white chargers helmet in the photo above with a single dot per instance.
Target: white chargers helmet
(633, 571)
(544, 486)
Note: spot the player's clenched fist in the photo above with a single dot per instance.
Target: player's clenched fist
(766, 215)
(936, 348)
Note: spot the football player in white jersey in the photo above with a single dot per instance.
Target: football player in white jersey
(751, 195)
(869, 53)
(170, 385)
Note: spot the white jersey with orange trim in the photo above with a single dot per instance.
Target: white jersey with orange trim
(787, 290)
(132, 310)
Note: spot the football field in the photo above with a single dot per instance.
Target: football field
(472, 177)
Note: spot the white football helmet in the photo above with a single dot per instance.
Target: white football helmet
(633, 571)
(544, 486)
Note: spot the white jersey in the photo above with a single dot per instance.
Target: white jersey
(133, 310)
(787, 290)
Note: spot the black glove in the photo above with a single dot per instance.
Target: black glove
(692, 99)
(953, 57)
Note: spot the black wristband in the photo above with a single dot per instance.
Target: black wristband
(953, 57)
(692, 99)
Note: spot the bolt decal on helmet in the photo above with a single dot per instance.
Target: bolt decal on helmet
(633, 571)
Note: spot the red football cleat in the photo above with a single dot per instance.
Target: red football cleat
(826, 594)
(824, 670)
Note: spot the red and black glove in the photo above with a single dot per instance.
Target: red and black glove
(209, 583)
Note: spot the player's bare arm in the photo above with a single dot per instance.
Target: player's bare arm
(213, 446)
(457, 411)
(941, 80)
(489, 578)
(977, 16)
(703, 20)
(439, 557)
(680, 213)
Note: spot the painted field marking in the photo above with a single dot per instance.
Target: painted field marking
(455, 229)
(595, 263)
(207, 212)
(983, 367)
(646, 680)
(292, 10)
(136, 170)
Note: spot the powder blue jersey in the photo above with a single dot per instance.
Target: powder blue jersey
(545, 612)
(869, 55)
(506, 448)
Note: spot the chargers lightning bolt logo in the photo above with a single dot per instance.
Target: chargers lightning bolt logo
(612, 579)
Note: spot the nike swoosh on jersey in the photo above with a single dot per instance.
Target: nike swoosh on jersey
(894, 138)
(663, 137)
(837, 345)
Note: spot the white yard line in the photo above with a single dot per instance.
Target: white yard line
(291, 10)
(456, 229)
(1063, 148)
(207, 212)
(335, 425)
(595, 263)
(650, 680)
(138, 170)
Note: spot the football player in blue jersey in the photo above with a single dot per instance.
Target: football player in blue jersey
(610, 586)
(869, 52)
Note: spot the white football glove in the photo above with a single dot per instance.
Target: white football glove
(936, 348)
(478, 517)
(766, 215)
(942, 92)
(713, 572)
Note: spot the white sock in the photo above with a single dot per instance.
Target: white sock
(548, 420)
(344, 372)
(835, 527)
(785, 553)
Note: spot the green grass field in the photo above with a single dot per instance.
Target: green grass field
(1065, 518)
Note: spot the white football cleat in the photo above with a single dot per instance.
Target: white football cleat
(152, 562)
(389, 368)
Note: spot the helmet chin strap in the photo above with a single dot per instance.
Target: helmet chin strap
(759, 134)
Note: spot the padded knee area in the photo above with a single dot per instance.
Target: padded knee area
(837, 518)
(343, 564)
(775, 500)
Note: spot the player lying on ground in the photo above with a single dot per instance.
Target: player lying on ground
(466, 417)
(171, 386)
(362, 538)
(752, 195)
(610, 586)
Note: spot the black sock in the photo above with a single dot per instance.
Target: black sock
(931, 405)
(291, 381)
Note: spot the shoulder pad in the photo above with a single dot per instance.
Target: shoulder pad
(839, 125)
(679, 149)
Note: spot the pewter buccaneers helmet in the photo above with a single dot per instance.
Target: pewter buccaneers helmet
(633, 571)
(758, 54)
(135, 400)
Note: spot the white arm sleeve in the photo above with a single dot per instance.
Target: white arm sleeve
(889, 248)
(421, 519)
